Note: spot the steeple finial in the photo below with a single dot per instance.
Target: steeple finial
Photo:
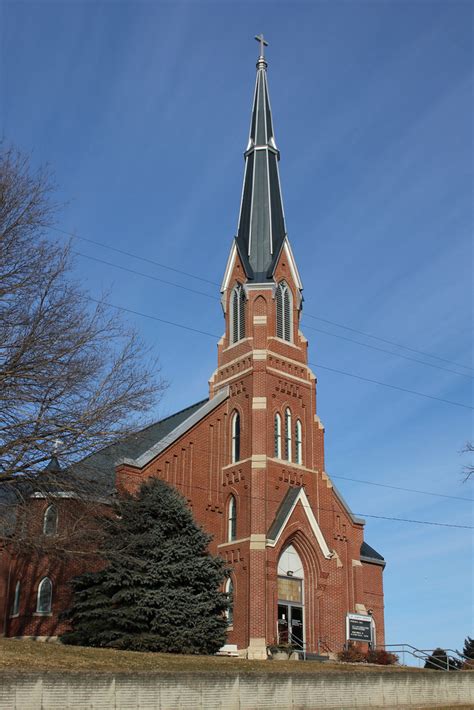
(261, 63)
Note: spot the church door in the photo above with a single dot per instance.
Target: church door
(290, 620)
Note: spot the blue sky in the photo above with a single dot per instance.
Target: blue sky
(142, 109)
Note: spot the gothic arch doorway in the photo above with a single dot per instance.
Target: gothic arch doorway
(290, 620)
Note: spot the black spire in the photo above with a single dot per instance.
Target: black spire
(262, 229)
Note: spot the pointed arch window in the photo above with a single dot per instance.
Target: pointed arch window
(229, 590)
(16, 600)
(298, 442)
(277, 436)
(232, 519)
(50, 521)
(288, 437)
(237, 313)
(284, 310)
(45, 596)
(235, 453)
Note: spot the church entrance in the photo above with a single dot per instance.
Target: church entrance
(290, 619)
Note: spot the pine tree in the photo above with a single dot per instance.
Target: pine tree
(160, 588)
(468, 649)
(438, 661)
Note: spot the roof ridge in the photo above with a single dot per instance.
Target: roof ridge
(165, 419)
(128, 437)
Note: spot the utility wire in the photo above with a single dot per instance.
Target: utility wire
(215, 283)
(323, 367)
(220, 492)
(399, 488)
(389, 352)
(147, 276)
(309, 327)
(134, 256)
(160, 320)
(393, 387)
(389, 342)
(169, 441)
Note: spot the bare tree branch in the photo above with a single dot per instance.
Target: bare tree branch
(69, 371)
(469, 467)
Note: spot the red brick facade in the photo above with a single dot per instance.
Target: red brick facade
(259, 376)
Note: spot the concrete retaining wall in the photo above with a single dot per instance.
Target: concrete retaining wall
(205, 691)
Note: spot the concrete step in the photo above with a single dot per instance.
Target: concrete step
(314, 657)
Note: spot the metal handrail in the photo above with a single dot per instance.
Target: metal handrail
(423, 654)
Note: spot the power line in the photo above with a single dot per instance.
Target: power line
(188, 486)
(309, 327)
(215, 283)
(169, 441)
(399, 488)
(318, 330)
(393, 387)
(147, 276)
(160, 320)
(389, 352)
(134, 256)
(323, 367)
(389, 342)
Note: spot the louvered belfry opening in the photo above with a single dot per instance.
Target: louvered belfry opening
(283, 311)
(238, 314)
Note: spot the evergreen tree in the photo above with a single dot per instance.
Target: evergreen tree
(160, 588)
(468, 649)
(438, 661)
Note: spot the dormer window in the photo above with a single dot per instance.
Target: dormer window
(284, 310)
(50, 521)
(237, 314)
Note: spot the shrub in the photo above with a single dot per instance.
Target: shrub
(351, 654)
(381, 657)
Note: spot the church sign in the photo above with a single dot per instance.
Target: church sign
(359, 628)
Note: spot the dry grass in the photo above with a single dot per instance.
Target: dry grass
(25, 656)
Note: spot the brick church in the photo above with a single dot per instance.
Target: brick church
(249, 459)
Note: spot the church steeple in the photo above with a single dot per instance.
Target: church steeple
(261, 231)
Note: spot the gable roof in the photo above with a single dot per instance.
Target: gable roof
(100, 466)
(368, 554)
(179, 428)
(293, 496)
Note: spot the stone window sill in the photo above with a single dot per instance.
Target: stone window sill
(43, 613)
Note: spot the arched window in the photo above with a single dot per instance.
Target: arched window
(298, 442)
(284, 311)
(235, 437)
(50, 521)
(229, 590)
(16, 600)
(237, 314)
(277, 436)
(288, 434)
(45, 596)
(232, 519)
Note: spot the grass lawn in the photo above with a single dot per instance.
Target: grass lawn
(26, 656)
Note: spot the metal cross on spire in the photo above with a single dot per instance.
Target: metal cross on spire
(263, 44)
